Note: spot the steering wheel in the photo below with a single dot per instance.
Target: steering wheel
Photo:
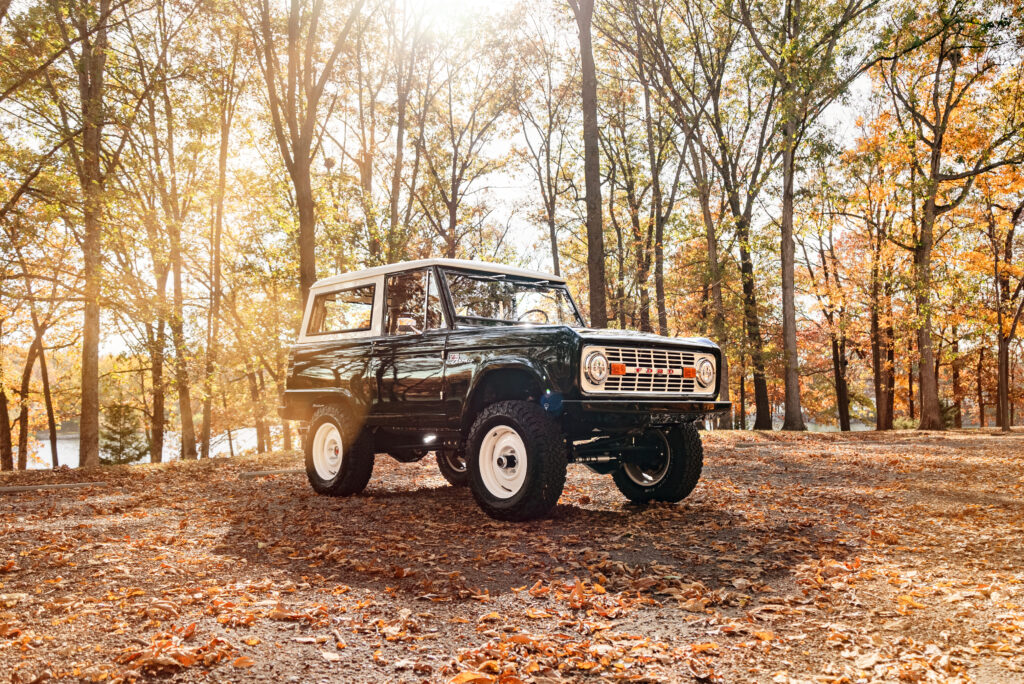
(542, 312)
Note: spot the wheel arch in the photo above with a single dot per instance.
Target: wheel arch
(517, 379)
(311, 400)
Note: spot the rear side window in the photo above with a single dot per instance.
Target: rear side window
(348, 310)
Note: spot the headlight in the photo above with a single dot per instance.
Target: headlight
(705, 372)
(596, 367)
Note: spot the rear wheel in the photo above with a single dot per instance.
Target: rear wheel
(669, 470)
(516, 460)
(339, 457)
(452, 464)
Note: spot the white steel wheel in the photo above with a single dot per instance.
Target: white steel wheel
(653, 471)
(328, 451)
(503, 461)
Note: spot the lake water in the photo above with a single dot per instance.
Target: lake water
(67, 448)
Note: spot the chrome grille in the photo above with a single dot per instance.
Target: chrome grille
(650, 370)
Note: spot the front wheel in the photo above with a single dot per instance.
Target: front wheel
(517, 460)
(668, 471)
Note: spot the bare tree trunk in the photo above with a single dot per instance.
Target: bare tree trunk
(889, 372)
(553, 236)
(1003, 392)
(659, 296)
(213, 318)
(715, 276)
(307, 227)
(405, 61)
(931, 412)
(26, 379)
(91, 67)
(763, 416)
(883, 416)
(743, 391)
(51, 421)
(6, 448)
(584, 10)
(286, 435)
(842, 389)
(257, 409)
(619, 297)
(958, 400)
(156, 373)
(1012, 419)
(981, 390)
(910, 380)
(793, 419)
(181, 375)
(231, 443)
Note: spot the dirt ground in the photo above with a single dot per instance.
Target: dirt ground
(824, 558)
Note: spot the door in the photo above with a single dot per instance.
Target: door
(409, 357)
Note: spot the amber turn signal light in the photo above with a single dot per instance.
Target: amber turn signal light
(689, 372)
(617, 369)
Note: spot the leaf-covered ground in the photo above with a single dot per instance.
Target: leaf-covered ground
(799, 557)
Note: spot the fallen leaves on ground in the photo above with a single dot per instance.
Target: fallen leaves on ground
(828, 558)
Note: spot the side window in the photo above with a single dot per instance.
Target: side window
(348, 310)
(414, 303)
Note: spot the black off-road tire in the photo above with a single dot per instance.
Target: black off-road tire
(686, 460)
(546, 460)
(454, 476)
(357, 456)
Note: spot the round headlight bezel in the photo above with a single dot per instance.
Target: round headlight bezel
(705, 373)
(596, 367)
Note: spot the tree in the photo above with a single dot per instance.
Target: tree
(583, 10)
(83, 33)
(228, 90)
(122, 441)
(1002, 197)
(296, 78)
(873, 206)
(6, 447)
(702, 66)
(828, 282)
(472, 99)
(951, 90)
(809, 46)
(543, 94)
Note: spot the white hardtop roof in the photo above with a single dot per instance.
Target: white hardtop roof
(448, 263)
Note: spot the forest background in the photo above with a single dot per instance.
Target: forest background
(832, 191)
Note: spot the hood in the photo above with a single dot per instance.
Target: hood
(615, 336)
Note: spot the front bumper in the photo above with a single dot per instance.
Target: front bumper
(619, 413)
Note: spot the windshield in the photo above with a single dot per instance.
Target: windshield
(495, 299)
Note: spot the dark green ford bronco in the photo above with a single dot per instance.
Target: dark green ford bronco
(493, 370)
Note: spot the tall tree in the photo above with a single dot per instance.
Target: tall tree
(228, 90)
(583, 10)
(719, 92)
(808, 46)
(1003, 201)
(544, 99)
(473, 97)
(942, 93)
(83, 32)
(297, 68)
